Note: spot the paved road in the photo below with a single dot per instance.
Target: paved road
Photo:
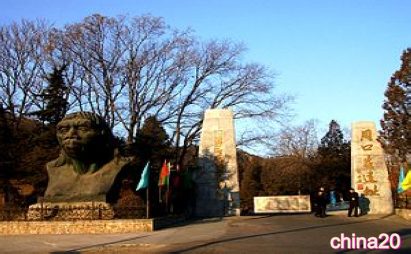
(256, 234)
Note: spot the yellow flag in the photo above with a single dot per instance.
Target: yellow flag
(406, 184)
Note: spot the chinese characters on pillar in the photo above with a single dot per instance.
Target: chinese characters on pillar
(218, 144)
(365, 177)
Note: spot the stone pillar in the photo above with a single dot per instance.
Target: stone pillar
(369, 174)
(217, 183)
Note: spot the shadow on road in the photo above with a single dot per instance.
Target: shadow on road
(268, 215)
(276, 233)
(78, 250)
(404, 233)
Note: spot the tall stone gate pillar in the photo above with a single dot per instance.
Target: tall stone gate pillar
(369, 174)
(217, 179)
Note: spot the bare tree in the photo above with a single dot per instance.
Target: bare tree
(297, 141)
(57, 56)
(155, 68)
(295, 148)
(218, 79)
(96, 49)
(20, 65)
(128, 69)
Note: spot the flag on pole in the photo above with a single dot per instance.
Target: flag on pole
(406, 184)
(164, 175)
(145, 178)
(400, 180)
(169, 174)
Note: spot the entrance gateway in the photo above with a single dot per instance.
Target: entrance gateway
(217, 180)
(369, 174)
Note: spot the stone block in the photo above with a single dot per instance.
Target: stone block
(369, 174)
(217, 181)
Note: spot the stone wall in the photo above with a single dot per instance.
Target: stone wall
(75, 227)
(404, 213)
(86, 226)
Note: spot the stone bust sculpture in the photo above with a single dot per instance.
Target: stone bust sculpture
(88, 162)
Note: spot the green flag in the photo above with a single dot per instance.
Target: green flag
(144, 180)
(400, 180)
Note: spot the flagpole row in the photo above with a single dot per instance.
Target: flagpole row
(144, 183)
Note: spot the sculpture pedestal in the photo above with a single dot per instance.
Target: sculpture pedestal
(70, 211)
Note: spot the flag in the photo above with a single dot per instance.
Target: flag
(169, 173)
(406, 184)
(145, 176)
(400, 180)
(164, 175)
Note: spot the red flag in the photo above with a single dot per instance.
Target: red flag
(164, 175)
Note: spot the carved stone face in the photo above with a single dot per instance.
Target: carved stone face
(77, 137)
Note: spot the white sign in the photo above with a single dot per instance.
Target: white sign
(282, 204)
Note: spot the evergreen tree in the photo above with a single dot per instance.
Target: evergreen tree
(6, 139)
(395, 135)
(332, 167)
(152, 141)
(333, 142)
(152, 144)
(54, 98)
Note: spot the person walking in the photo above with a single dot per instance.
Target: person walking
(321, 201)
(354, 203)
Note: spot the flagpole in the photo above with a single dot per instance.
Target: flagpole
(167, 201)
(167, 191)
(145, 183)
(148, 202)
(159, 194)
(168, 186)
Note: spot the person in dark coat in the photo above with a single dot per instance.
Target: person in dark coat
(354, 203)
(321, 201)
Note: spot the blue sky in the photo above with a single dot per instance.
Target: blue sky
(336, 57)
